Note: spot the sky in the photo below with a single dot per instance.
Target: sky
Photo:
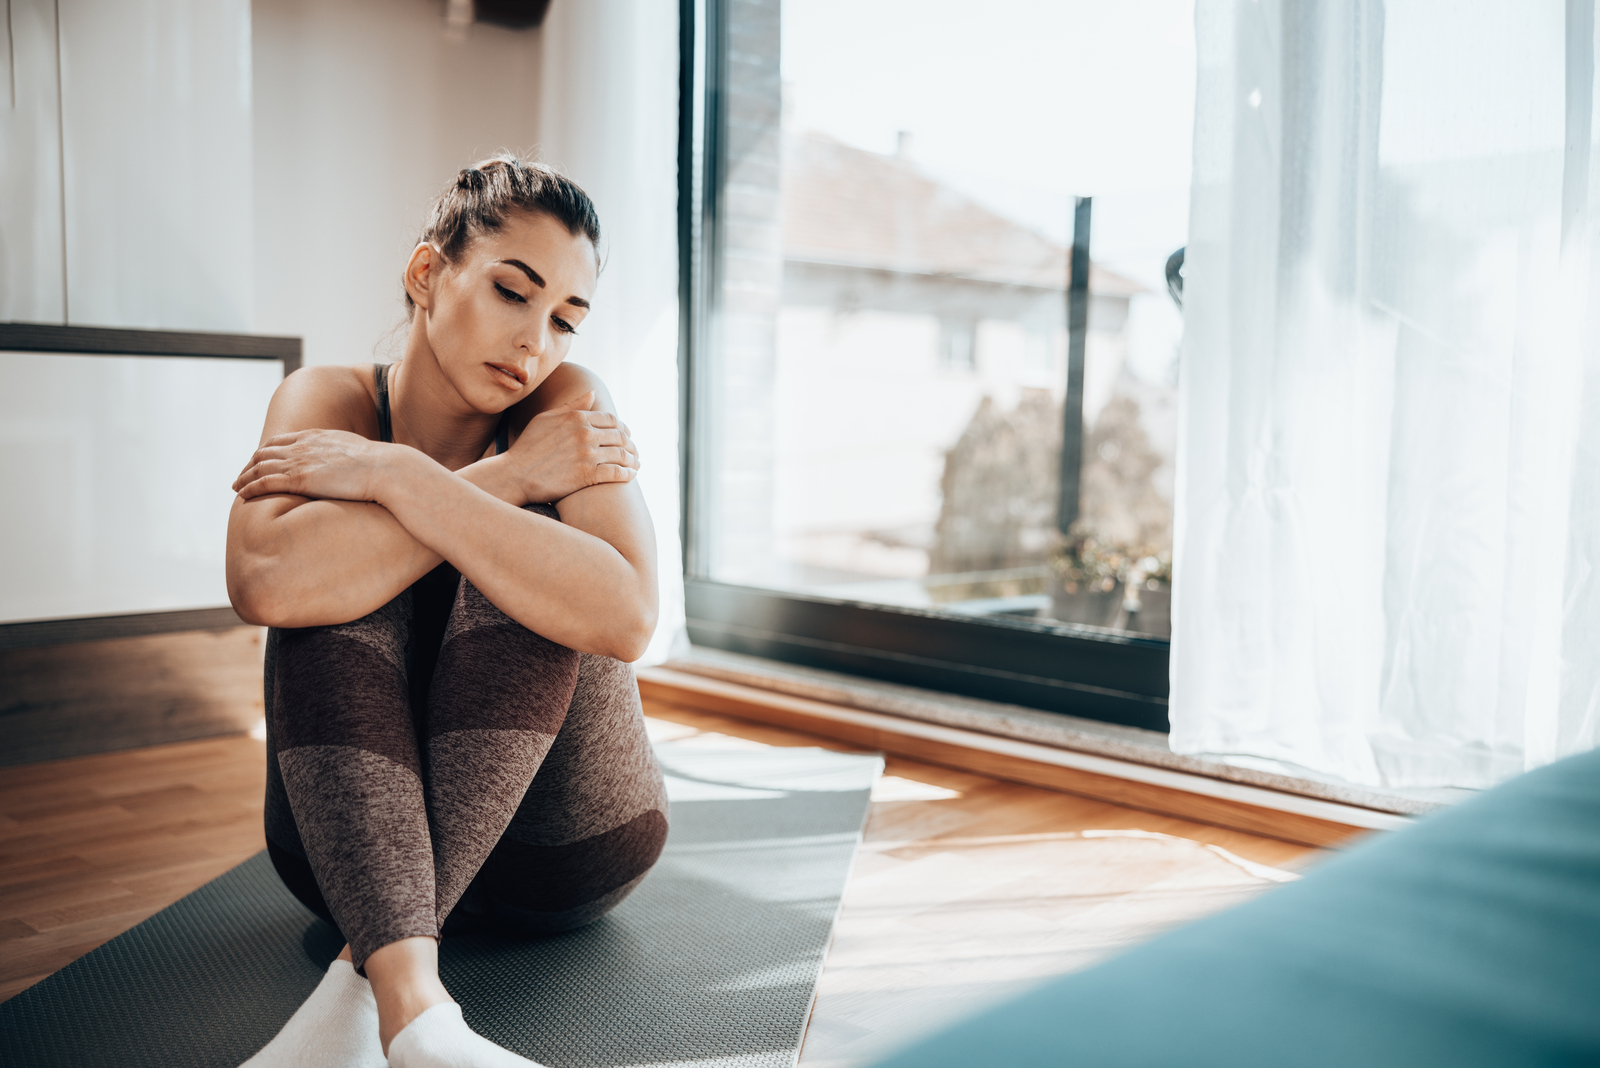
(1019, 103)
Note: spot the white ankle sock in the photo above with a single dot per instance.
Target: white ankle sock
(337, 1027)
(440, 1038)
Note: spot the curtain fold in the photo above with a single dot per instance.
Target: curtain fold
(1388, 502)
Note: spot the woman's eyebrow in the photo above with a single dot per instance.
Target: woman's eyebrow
(533, 275)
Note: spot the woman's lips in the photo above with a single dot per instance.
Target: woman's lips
(509, 376)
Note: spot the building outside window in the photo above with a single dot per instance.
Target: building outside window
(883, 368)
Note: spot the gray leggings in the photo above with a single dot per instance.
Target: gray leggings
(436, 766)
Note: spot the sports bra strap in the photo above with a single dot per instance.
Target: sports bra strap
(380, 378)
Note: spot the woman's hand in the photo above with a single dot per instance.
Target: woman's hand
(323, 464)
(569, 448)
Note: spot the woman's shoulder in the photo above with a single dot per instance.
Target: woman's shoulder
(326, 397)
(567, 381)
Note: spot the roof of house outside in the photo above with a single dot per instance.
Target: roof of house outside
(847, 206)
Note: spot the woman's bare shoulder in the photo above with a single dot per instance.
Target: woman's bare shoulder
(326, 397)
(567, 381)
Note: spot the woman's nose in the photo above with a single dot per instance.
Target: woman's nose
(536, 341)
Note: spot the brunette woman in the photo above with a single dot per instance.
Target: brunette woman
(456, 568)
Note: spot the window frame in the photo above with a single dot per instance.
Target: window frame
(1075, 670)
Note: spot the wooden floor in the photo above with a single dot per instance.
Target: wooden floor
(93, 845)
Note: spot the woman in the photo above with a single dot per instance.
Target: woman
(454, 736)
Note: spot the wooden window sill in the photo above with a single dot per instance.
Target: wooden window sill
(1240, 806)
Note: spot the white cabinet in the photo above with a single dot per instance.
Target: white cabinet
(128, 168)
(32, 276)
(117, 474)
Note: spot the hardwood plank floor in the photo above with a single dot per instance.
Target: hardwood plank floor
(92, 845)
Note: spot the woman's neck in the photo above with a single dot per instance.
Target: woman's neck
(429, 415)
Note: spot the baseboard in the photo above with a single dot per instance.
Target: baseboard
(40, 634)
(1290, 817)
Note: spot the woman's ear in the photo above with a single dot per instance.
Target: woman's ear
(422, 274)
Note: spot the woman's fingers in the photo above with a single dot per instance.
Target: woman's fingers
(272, 475)
(251, 472)
(249, 464)
(274, 469)
(265, 485)
(616, 454)
(615, 473)
(614, 437)
(262, 455)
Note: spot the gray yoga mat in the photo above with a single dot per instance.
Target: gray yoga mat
(713, 960)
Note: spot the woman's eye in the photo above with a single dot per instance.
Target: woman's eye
(508, 294)
(562, 325)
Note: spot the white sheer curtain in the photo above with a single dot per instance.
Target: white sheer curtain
(1388, 505)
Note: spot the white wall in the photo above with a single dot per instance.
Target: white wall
(126, 140)
(155, 116)
(32, 279)
(609, 118)
(127, 164)
(364, 109)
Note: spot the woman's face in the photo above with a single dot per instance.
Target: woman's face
(503, 317)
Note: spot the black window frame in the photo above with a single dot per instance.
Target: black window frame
(1080, 671)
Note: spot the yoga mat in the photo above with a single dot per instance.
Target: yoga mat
(712, 961)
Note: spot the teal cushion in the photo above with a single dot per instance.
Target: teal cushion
(1472, 938)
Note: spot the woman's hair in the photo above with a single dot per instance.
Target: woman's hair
(485, 195)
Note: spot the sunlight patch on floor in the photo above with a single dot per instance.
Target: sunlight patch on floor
(895, 788)
(937, 928)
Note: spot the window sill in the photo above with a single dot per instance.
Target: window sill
(1115, 763)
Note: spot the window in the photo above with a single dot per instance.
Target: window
(916, 449)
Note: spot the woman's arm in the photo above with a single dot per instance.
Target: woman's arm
(296, 561)
(588, 582)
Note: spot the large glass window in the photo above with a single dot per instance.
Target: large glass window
(893, 402)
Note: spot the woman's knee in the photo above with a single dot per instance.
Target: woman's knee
(340, 657)
(495, 674)
(343, 685)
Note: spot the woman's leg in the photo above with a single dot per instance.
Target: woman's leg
(497, 703)
(593, 821)
(370, 829)
(344, 816)
(373, 833)
(584, 834)
(345, 802)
